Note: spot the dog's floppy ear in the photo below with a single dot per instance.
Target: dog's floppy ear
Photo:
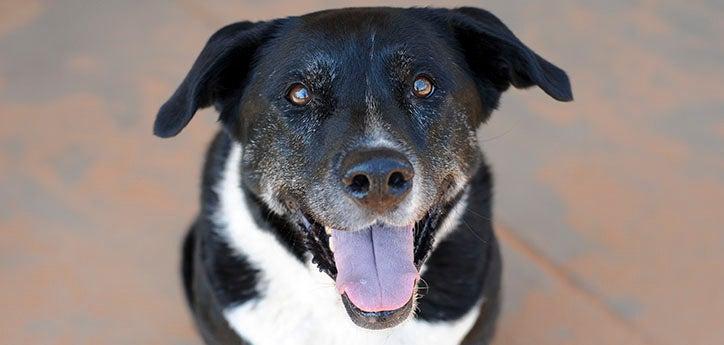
(493, 52)
(218, 72)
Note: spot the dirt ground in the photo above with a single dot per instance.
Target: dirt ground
(609, 208)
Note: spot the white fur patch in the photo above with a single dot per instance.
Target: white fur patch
(299, 305)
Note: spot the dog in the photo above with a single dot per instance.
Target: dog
(346, 199)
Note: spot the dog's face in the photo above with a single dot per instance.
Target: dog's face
(360, 126)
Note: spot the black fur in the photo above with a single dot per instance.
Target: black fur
(211, 288)
(358, 64)
(458, 268)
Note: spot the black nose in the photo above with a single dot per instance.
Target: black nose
(379, 179)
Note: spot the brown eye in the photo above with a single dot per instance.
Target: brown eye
(299, 94)
(422, 86)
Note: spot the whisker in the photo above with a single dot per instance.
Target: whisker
(499, 135)
(473, 231)
(467, 208)
(425, 288)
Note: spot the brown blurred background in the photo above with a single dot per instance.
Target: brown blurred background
(610, 209)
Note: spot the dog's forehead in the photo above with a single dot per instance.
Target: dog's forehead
(353, 20)
(389, 31)
(355, 40)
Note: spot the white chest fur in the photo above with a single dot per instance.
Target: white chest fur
(299, 305)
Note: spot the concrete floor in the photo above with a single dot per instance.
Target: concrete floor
(610, 208)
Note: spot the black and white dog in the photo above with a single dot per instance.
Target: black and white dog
(346, 199)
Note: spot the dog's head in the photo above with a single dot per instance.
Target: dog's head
(359, 125)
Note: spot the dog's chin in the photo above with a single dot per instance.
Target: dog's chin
(377, 319)
(408, 246)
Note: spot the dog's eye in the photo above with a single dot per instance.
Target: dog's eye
(299, 94)
(422, 87)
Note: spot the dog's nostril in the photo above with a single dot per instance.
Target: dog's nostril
(359, 184)
(396, 180)
(379, 179)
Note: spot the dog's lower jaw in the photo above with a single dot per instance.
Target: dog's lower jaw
(318, 241)
(380, 319)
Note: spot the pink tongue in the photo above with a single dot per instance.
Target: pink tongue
(375, 266)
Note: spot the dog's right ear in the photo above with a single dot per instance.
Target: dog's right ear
(218, 72)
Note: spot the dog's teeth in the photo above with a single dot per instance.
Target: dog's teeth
(328, 230)
(331, 243)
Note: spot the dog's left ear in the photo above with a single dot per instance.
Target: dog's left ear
(494, 53)
(218, 73)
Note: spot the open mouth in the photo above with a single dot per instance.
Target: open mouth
(376, 269)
